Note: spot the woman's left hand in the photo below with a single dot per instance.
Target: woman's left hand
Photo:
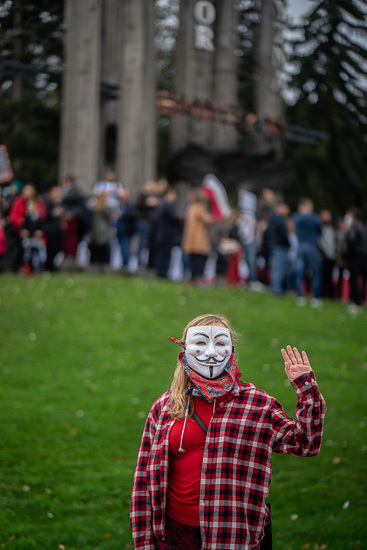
(294, 364)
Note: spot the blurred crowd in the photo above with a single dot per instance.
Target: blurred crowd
(305, 253)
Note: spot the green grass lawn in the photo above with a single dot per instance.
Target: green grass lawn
(82, 359)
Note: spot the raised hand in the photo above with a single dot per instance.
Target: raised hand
(294, 364)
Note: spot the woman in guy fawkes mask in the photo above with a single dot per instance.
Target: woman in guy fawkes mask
(204, 465)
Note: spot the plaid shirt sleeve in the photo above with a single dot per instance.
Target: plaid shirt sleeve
(141, 508)
(303, 437)
(145, 492)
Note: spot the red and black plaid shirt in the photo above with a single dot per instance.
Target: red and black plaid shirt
(246, 428)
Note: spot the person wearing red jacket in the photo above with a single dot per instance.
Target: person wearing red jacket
(17, 216)
(204, 464)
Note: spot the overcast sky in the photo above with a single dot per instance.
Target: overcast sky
(296, 8)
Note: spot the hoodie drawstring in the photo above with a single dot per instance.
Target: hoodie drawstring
(181, 450)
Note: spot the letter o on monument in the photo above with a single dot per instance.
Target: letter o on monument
(204, 13)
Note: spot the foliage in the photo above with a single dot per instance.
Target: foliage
(30, 79)
(33, 142)
(82, 359)
(166, 25)
(330, 66)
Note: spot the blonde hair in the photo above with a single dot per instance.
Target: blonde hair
(181, 382)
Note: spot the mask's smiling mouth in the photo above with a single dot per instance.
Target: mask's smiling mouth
(211, 361)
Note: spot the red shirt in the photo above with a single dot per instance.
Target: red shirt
(18, 211)
(185, 468)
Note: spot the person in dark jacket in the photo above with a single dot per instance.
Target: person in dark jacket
(356, 240)
(328, 248)
(32, 238)
(166, 222)
(77, 217)
(126, 226)
(147, 203)
(100, 234)
(53, 226)
(279, 245)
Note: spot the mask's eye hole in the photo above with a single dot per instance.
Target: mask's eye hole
(200, 343)
(221, 344)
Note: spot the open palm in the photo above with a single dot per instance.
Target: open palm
(294, 364)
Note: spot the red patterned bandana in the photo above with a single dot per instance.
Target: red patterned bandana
(211, 389)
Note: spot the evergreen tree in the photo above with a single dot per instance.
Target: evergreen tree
(30, 80)
(330, 86)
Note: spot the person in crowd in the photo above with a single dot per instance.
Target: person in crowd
(76, 216)
(279, 244)
(328, 248)
(265, 210)
(204, 465)
(112, 189)
(223, 251)
(114, 192)
(166, 226)
(3, 243)
(263, 253)
(146, 204)
(356, 241)
(292, 254)
(125, 227)
(196, 239)
(308, 230)
(229, 251)
(53, 226)
(32, 238)
(159, 188)
(247, 235)
(266, 204)
(17, 217)
(18, 209)
(100, 233)
(341, 261)
(8, 197)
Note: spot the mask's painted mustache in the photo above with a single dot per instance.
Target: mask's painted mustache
(211, 361)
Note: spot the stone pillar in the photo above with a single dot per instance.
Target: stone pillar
(109, 42)
(270, 60)
(80, 120)
(206, 69)
(226, 69)
(136, 143)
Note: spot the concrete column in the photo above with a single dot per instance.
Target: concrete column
(270, 59)
(206, 69)
(81, 91)
(136, 144)
(226, 69)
